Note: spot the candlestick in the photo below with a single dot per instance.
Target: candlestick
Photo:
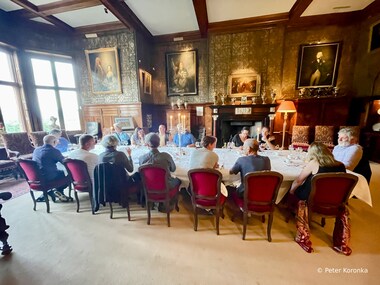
(258, 133)
(171, 122)
(179, 118)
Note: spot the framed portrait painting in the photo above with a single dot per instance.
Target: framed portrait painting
(243, 85)
(104, 71)
(181, 73)
(318, 65)
(147, 83)
(374, 37)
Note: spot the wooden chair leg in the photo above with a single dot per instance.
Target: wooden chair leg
(92, 203)
(148, 209)
(76, 199)
(128, 211)
(168, 217)
(323, 222)
(245, 220)
(263, 218)
(111, 209)
(47, 202)
(217, 221)
(269, 229)
(34, 199)
(195, 218)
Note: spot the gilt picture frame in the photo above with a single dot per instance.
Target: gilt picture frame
(104, 70)
(126, 122)
(182, 73)
(147, 83)
(243, 85)
(318, 65)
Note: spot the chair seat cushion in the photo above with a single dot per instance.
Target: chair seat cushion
(210, 203)
(50, 184)
(82, 187)
(254, 208)
(158, 197)
(328, 211)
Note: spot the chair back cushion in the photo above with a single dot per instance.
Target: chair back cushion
(78, 172)
(300, 134)
(324, 134)
(260, 190)
(155, 181)
(330, 191)
(31, 170)
(205, 186)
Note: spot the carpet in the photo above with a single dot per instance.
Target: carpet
(16, 187)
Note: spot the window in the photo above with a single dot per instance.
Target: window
(10, 108)
(56, 91)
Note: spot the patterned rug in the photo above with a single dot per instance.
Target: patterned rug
(16, 187)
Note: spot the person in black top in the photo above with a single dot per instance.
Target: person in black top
(321, 160)
(239, 139)
(266, 140)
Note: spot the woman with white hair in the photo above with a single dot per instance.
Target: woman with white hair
(110, 142)
(122, 136)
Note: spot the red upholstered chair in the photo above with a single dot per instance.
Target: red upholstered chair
(80, 178)
(37, 182)
(205, 193)
(260, 193)
(329, 194)
(300, 137)
(156, 188)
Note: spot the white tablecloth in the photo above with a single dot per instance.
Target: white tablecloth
(280, 162)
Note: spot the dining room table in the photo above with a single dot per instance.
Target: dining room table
(287, 162)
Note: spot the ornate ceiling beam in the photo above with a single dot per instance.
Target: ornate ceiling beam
(202, 18)
(34, 9)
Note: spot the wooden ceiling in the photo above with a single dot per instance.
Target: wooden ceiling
(125, 17)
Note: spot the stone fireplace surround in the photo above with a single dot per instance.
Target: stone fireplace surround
(230, 119)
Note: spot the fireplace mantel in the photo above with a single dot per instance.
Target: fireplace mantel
(226, 115)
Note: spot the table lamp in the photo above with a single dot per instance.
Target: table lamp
(285, 107)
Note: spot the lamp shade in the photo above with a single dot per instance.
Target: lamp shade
(287, 107)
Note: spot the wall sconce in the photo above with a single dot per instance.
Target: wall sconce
(286, 107)
(179, 104)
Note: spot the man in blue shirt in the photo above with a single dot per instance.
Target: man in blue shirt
(63, 144)
(47, 157)
(187, 139)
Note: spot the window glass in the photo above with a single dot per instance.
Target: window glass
(9, 109)
(5, 70)
(48, 107)
(70, 110)
(65, 74)
(42, 72)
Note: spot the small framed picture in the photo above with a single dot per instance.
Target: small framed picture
(241, 85)
(147, 83)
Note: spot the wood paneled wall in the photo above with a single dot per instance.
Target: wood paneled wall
(106, 114)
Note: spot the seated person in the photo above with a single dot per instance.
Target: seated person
(251, 162)
(164, 136)
(321, 160)
(266, 140)
(205, 157)
(348, 151)
(87, 143)
(6, 248)
(124, 159)
(138, 137)
(184, 139)
(122, 136)
(154, 156)
(63, 144)
(47, 157)
(239, 139)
